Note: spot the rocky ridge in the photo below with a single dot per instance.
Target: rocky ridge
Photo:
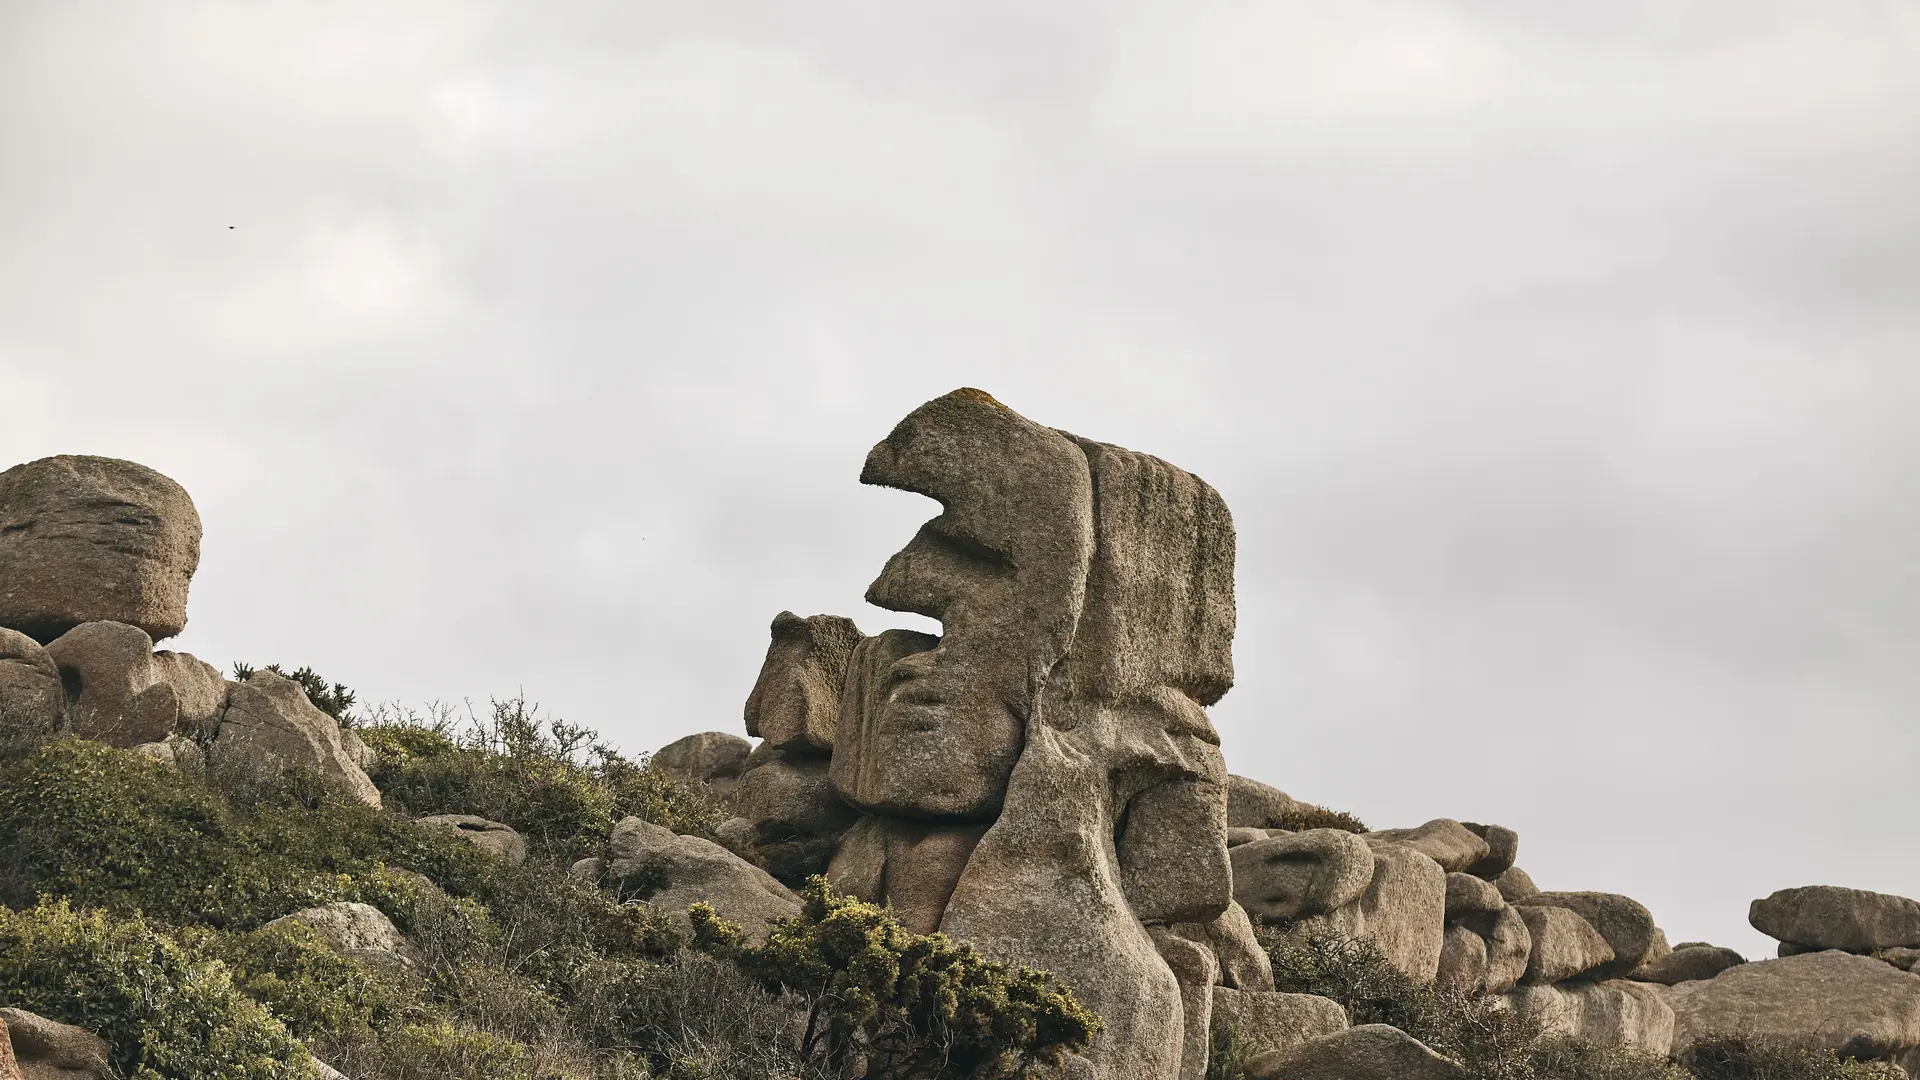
(1040, 780)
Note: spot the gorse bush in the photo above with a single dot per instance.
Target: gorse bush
(166, 1013)
(334, 699)
(110, 829)
(908, 1005)
(553, 781)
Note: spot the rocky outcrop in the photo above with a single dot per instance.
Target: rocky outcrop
(1368, 1052)
(796, 820)
(1610, 1013)
(1503, 846)
(1564, 945)
(270, 728)
(199, 689)
(1688, 963)
(1254, 805)
(1445, 841)
(672, 873)
(92, 539)
(358, 932)
(32, 699)
(795, 704)
(1296, 875)
(1818, 917)
(1855, 1005)
(1268, 1021)
(1626, 925)
(1515, 885)
(44, 1049)
(494, 838)
(714, 759)
(117, 694)
(1085, 594)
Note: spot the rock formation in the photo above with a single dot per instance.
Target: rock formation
(92, 539)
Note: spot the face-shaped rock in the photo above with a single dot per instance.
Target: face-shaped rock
(1004, 569)
(90, 539)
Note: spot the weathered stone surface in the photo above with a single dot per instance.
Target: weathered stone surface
(1173, 853)
(1443, 840)
(359, 932)
(32, 700)
(1368, 1052)
(910, 866)
(270, 727)
(1515, 885)
(496, 839)
(1268, 1021)
(1509, 944)
(1296, 875)
(1194, 967)
(1855, 1005)
(1469, 895)
(795, 703)
(1564, 945)
(1902, 958)
(1254, 805)
(47, 1050)
(685, 870)
(177, 753)
(1237, 835)
(1503, 846)
(1625, 923)
(198, 688)
(797, 819)
(1404, 908)
(117, 695)
(1085, 593)
(1612, 1013)
(1688, 964)
(9, 1068)
(713, 758)
(1830, 917)
(1463, 961)
(1244, 965)
(91, 539)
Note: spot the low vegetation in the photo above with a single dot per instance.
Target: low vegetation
(141, 902)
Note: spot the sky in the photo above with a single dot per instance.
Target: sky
(1559, 362)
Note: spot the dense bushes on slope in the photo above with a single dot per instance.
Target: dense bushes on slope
(553, 781)
(137, 897)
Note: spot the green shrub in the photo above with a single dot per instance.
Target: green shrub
(113, 829)
(334, 699)
(551, 780)
(913, 1005)
(165, 1013)
(1302, 816)
(292, 971)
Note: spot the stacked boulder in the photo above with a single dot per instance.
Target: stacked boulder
(1444, 903)
(96, 556)
(1841, 980)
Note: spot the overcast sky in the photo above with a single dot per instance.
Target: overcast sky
(1560, 362)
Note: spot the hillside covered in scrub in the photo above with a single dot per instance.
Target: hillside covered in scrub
(1011, 850)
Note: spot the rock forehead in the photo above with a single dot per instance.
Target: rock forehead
(90, 539)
